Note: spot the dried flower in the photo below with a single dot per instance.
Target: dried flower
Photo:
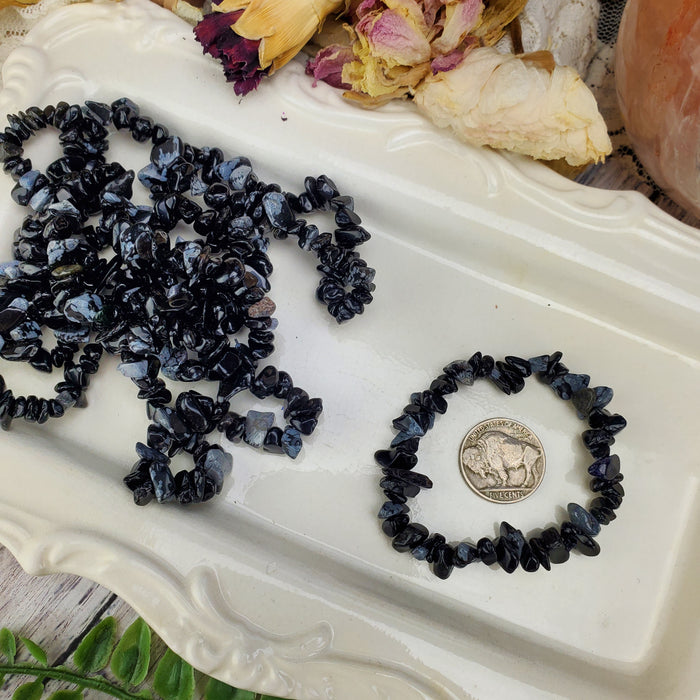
(16, 3)
(525, 104)
(258, 37)
(497, 15)
(328, 64)
(396, 43)
(239, 56)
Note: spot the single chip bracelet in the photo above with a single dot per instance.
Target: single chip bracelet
(511, 548)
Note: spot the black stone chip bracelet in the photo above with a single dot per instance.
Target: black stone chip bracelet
(188, 310)
(510, 548)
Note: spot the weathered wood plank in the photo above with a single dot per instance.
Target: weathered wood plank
(55, 611)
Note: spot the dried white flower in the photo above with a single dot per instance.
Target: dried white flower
(525, 104)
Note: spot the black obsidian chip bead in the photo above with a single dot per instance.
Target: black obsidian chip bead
(88, 366)
(32, 409)
(6, 401)
(507, 558)
(184, 488)
(509, 380)
(591, 398)
(461, 371)
(580, 517)
(603, 514)
(566, 385)
(394, 525)
(58, 112)
(528, 559)
(432, 544)
(613, 488)
(345, 217)
(351, 236)
(10, 148)
(512, 536)
(519, 364)
(156, 394)
(6, 421)
(487, 551)
(604, 420)
(465, 554)
(612, 497)
(210, 490)
(443, 385)
(399, 486)
(273, 440)
(549, 361)
(390, 509)
(99, 110)
(415, 422)
(196, 411)
(123, 112)
(395, 496)
(575, 538)
(478, 366)
(598, 484)
(443, 561)
(554, 546)
(606, 467)
(603, 502)
(409, 477)
(141, 129)
(265, 383)
(395, 459)
(19, 407)
(487, 365)
(430, 401)
(41, 361)
(509, 547)
(539, 550)
(597, 438)
(56, 410)
(422, 550)
(43, 412)
(411, 536)
(233, 425)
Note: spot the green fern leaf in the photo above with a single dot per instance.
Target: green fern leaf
(173, 678)
(67, 695)
(132, 654)
(8, 644)
(217, 690)
(35, 650)
(29, 691)
(94, 650)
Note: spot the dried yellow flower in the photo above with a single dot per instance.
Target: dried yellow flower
(283, 27)
(16, 3)
(497, 15)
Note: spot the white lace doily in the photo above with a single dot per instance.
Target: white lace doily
(15, 22)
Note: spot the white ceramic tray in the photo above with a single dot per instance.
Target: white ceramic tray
(285, 584)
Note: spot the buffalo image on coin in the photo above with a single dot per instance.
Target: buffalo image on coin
(502, 460)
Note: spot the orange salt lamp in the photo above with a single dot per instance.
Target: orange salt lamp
(657, 69)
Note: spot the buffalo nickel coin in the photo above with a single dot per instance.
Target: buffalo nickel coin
(502, 460)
